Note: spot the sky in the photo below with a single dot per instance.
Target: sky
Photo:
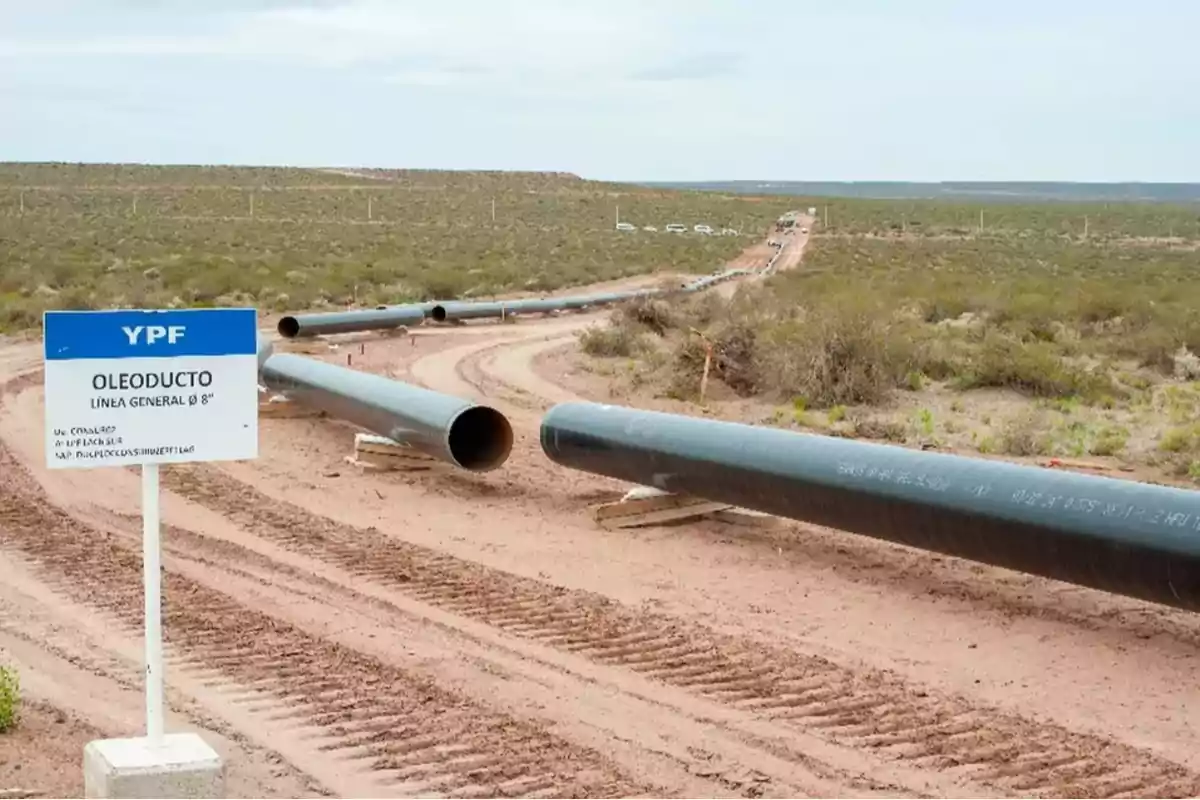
(675, 90)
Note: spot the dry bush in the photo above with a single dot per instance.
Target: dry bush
(876, 428)
(609, 342)
(735, 362)
(838, 355)
(1025, 435)
(654, 315)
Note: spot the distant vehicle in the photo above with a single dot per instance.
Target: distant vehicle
(804, 230)
(705, 229)
(729, 232)
(651, 229)
(626, 226)
(677, 227)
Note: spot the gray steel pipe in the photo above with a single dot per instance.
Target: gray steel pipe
(473, 437)
(304, 325)
(494, 309)
(1119, 536)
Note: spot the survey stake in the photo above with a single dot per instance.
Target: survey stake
(147, 388)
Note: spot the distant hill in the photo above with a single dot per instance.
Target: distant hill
(996, 192)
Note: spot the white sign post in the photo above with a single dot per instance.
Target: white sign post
(145, 388)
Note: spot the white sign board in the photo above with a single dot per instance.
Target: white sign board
(150, 387)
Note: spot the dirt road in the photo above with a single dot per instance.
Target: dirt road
(384, 634)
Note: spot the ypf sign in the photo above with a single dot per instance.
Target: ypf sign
(150, 387)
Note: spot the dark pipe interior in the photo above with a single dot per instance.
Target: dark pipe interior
(438, 313)
(289, 327)
(480, 439)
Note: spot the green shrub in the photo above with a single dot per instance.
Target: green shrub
(1109, 441)
(10, 699)
(1177, 440)
(1031, 368)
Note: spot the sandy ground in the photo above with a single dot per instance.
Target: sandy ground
(370, 635)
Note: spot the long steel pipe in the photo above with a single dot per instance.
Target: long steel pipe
(473, 437)
(1119, 536)
(320, 324)
(303, 325)
(493, 309)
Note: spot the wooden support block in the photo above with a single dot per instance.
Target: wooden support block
(312, 347)
(372, 443)
(279, 407)
(378, 463)
(382, 453)
(642, 507)
(367, 466)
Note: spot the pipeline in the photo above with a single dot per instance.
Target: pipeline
(495, 309)
(1118, 536)
(384, 318)
(387, 318)
(472, 437)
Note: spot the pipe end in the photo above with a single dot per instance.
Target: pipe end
(289, 327)
(480, 439)
(438, 313)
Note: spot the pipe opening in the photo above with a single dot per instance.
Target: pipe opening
(438, 313)
(289, 327)
(480, 439)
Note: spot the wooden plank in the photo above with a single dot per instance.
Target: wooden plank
(747, 517)
(399, 460)
(369, 443)
(372, 438)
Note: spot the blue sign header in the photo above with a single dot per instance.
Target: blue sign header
(150, 334)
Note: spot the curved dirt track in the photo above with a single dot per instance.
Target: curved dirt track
(449, 634)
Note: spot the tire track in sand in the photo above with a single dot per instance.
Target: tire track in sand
(502, 369)
(860, 709)
(418, 736)
(452, 371)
